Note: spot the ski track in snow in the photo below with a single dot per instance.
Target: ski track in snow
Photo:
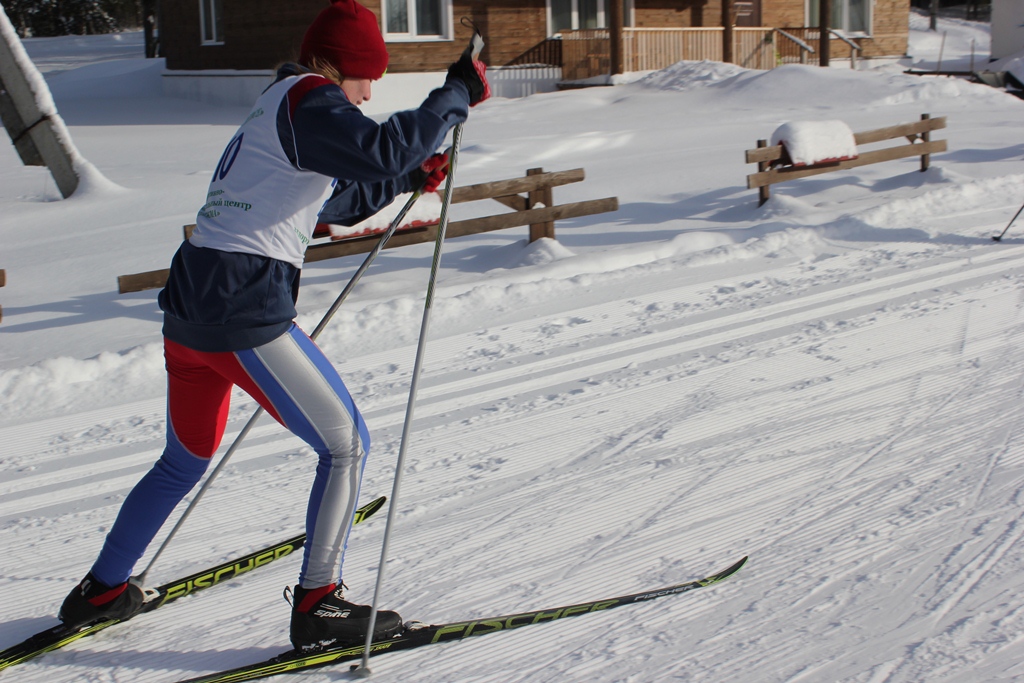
(830, 383)
(640, 442)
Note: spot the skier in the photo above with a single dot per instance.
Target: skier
(229, 305)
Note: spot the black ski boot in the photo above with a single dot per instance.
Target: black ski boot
(91, 601)
(322, 618)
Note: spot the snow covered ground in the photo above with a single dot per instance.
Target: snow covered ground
(828, 383)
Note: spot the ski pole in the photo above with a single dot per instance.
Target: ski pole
(363, 669)
(998, 237)
(141, 578)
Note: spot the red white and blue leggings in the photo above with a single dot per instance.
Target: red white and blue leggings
(293, 380)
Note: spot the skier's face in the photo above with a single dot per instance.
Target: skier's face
(357, 90)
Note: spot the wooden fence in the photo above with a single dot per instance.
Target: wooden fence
(587, 53)
(770, 170)
(530, 197)
(790, 52)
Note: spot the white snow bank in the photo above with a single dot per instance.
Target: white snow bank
(815, 142)
(802, 87)
(687, 75)
(1014, 65)
(946, 200)
(66, 385)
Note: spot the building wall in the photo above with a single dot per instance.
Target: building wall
(260, 34)
(516, 31)
(890, 31)
(1007, 27)
(783, 13)
(676, 13)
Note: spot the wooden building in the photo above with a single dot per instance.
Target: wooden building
(426, 35)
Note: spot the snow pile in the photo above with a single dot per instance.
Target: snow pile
(951, 199)
(1013, 65)
(66, 385)
(816, 142)
(687, 75)
(426, 211)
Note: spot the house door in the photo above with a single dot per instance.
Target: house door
(748, 12)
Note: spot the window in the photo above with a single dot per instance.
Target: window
(567, 15)
(210, 25)
(405, 19)
(852, 17)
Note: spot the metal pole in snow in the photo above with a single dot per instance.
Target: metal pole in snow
(363, 669)
(996, 238)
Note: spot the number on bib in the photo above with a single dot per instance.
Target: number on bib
(228, 158)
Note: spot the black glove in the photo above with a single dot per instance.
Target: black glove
(474, 74)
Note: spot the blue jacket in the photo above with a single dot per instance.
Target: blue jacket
(219, 301)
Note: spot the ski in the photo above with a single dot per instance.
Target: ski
(60, 635)
(421, 634)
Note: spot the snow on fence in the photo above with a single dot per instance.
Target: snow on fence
(773, 166)
(536, 209)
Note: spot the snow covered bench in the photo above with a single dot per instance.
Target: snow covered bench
(536, 209)
(775, 163)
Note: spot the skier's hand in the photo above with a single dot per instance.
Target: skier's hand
(436, 168)
(473, 73)
(430, 174)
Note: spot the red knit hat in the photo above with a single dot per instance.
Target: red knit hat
(347, 36)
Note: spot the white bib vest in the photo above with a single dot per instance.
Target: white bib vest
(258, 202)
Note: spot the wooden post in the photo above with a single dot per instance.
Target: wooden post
(11, 121)
(824, 32)
(150, 27)
(615, 24)
(824, 37)
(50, 141)
(763, 192)
(544, 196)
(727, 31)
(926, 136)
(3, 282)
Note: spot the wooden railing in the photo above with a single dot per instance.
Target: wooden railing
(536, 209)
(771, 169)
(791, 49)
(587, 53)
(647, 49)
(790, 52)
(754, 48)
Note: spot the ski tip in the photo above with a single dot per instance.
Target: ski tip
(725, 573)
(370, 509)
